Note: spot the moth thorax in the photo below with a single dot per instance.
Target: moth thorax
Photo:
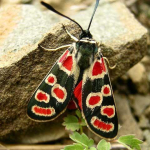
(85, 53)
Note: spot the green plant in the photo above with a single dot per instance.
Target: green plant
(82, 142)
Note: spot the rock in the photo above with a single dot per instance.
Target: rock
(139, 103)
(144, 122)
(126, 120)
(146, 60)
(139, 77)
(8, 2)
(147, 137)
(23, 65)
(147, 112)
(24, 27)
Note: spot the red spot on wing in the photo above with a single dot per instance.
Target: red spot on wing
(68, 62)
(108, 111)
(41, 96)
(94, 100)
(78, 94)
(63, 56)
(102, 125)
(59, 93)
(98, 68)
(51, 79)
(43, 111)
(106, 90)
(72, 105)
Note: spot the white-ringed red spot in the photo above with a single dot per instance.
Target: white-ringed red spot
(40, 111)
(59, 93)
(94, 99)
(41, 96)
(108, 111)
(51, 79)
(101, 125)
(106, 91)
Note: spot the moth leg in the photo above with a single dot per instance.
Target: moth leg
(73, 37)
(55, 49)
(111, 67)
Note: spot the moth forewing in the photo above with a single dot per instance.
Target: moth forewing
(98, 103)
(53, 94)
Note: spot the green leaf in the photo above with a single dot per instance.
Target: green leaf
(92, 148)
(82, 123)
(82, 139)
(130, 142)
(72, 123)
(103, 145)
(74, 147)
(78, 113)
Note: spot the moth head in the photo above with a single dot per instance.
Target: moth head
(85, 34)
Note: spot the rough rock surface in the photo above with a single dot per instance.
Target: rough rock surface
(23, 65)
(126, 119)
(139, 77)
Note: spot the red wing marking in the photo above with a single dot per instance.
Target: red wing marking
(64, 56)
(41, 96)
(51, 79)
(72, 105)
(68, 63)
(78, 94)
(99, 69)
(106, 91)
(43, 111)
(59, 93)
(101, 125)
(94, 99)
(108, 111)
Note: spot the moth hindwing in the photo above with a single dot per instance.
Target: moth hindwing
(80, 74)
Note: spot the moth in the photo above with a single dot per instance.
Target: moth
(80, 74)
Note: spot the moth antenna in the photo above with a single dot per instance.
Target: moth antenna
(96, 5)
(55, 11)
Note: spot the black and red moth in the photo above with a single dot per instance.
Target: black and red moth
(81, 75)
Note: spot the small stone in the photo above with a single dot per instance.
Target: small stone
(147, 112)
(146, 134)
(139, 77)
(126, 120)
(144, 122)
(145, 146)
(139, 103)
(16, 1)
(146, 60)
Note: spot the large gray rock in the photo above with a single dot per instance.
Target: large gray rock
(23, 65)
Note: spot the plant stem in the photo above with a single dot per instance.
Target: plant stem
(81, 130)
